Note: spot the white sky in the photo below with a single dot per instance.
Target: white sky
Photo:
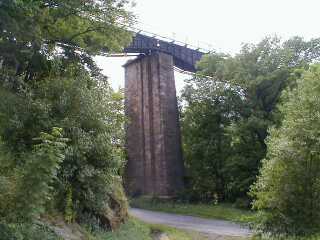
(225, 24)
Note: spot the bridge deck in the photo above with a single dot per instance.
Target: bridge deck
(184, 58)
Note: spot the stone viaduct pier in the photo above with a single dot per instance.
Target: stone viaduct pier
(153, 141)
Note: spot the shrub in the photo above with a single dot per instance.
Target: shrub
(90, 113)
(26, 232)
(287, 193)
(28, 186)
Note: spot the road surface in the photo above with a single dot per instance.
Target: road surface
(205, 226)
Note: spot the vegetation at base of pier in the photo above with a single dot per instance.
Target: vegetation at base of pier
(61, 124)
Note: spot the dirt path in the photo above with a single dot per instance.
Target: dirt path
(213, 228)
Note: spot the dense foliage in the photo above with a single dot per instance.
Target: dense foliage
(26, 179)
(61, 125)
(225, 118)
(27, 232)
(287, 193)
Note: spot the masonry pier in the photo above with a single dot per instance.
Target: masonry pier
(153, 141)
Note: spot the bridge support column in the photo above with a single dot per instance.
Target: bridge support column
(153, 142)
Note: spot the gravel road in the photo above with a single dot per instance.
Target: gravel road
(205, 226)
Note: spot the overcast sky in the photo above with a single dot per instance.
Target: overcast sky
(223, 24)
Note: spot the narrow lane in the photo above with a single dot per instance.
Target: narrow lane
(206, 226)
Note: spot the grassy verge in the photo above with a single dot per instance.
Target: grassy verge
(132, 230)
(137, 230)
(175, 234)
(220, 211)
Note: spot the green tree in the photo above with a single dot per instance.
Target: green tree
(48, 79)
(210, 108)
(287, 192)
(226, 115)
(33, 31)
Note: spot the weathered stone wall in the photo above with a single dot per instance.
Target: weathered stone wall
(153, 143)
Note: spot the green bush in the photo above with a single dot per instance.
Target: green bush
(88, 180)
(287, 193)
(26, 232)
(28, 186)
(90, 113)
